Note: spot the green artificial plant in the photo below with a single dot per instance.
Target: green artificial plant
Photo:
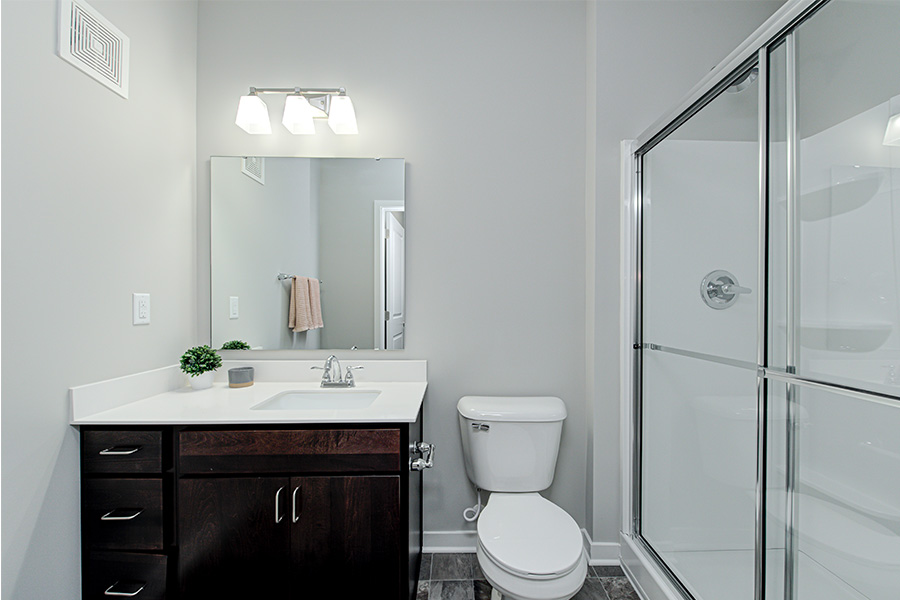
(199, 360)
(236, 345)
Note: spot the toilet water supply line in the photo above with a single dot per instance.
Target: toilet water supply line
(471, 514)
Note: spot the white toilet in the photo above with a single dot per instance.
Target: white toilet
(528, 548)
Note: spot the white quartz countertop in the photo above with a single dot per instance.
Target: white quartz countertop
(113, 402)
(220, 404)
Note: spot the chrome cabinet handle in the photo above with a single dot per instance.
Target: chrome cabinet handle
(295, 516)
(120, 450)
(109, 591)
(112, 517)
(278, 518)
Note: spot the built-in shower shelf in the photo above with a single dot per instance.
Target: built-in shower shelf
(816, 483)
(843, 336)
(839, 198)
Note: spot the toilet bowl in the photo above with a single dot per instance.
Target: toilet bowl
(528, 547)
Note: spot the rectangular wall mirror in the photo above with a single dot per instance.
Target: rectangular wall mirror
(337, 221)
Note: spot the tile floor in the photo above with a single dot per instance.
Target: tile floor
(458, 577)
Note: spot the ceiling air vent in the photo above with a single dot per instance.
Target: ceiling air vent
(254, 167)
(93, 45)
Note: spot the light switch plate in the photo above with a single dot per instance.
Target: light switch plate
(233, 312)
(140, 306)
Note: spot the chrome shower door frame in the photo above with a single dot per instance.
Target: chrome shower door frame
(753, 51)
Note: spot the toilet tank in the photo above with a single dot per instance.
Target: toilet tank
(510, 443)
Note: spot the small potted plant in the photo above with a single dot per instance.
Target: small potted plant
(236, 345)
(199, 363)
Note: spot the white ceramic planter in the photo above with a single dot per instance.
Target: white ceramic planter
(202, 381)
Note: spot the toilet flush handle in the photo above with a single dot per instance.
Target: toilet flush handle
(427, 460)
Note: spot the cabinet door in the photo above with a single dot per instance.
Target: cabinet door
(345, 537)
(234, 537)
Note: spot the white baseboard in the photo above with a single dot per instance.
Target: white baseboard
(464, 541)
(604, 554)
(450, 542)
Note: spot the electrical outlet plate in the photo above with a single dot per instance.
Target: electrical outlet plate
(140, 308)
(233, 312)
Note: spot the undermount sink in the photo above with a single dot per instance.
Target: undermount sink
(319, 400)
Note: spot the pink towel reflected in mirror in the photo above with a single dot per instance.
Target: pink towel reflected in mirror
(306, 305)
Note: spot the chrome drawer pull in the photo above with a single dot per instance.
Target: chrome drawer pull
(120, 450)
(110, 516)
(109, 591)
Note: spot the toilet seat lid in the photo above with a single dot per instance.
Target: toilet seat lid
(529, 535)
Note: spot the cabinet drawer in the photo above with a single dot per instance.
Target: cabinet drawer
(123, 514)
(301, 451)
(122, 451)
(125, 575)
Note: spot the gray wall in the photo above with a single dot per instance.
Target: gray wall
(261, 230)
(347, 191)
(495, 188)
(98, 202)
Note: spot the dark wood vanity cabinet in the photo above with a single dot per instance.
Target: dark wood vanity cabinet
(287, 512)
(126, 526)
(243, 536)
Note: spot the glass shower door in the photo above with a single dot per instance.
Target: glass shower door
(698, 407)
(834, 351)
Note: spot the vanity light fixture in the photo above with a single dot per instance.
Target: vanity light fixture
(253, 114)
(892, 133)
(301, 106)
(298, 115)
(342, 117)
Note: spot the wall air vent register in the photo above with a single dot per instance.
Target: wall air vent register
(254, 167)
(94, 45)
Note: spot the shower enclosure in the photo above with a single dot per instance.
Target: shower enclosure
(762, 380)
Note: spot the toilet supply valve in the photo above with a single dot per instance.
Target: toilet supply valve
(427, 460)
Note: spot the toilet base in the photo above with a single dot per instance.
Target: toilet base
(511, 587)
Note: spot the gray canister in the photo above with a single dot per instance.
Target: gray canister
(239, 377)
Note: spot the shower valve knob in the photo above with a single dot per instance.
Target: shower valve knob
(720, 289)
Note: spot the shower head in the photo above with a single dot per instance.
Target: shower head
(744, 83)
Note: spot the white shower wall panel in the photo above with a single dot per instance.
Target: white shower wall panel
(699, 469)
(849, 489)
(700, 215)
(850, 253)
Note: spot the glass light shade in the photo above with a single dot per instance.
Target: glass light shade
(892, 133)
(253, 115)
(341, 116)
(298, 116)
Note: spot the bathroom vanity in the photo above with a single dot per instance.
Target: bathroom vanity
(287, 504)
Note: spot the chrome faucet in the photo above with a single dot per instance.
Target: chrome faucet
(333, 377)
